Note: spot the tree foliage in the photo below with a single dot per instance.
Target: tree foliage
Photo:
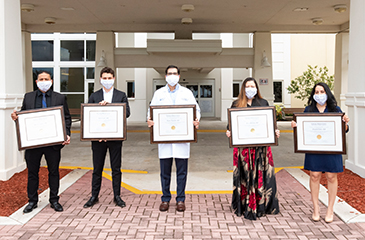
(302, 86)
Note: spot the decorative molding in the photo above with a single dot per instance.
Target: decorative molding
(8, 101)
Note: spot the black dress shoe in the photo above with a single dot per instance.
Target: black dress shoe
(30, 207)
(91, 202)
(57, 206)
(119, 202)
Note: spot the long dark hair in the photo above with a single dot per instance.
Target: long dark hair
(242, 98)
(331, 101)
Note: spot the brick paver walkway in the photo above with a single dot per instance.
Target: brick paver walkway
(208, 216)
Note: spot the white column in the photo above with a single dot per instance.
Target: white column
(226, 91)
(261, 43)
(104, 41)
(11, 86)
(341, 69)
(355, 98)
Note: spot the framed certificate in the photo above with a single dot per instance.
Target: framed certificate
(319, 133)
(103, 122)
(40, 127)
(173, 124)
(252, 127)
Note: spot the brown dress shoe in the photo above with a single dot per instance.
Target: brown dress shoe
(180, 206)
(164, 206)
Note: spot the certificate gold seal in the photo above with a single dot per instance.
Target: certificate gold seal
(252, 130)
(103, 125)
(173, 128)
(319, 136)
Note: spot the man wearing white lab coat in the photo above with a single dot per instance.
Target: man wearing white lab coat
(173, 94)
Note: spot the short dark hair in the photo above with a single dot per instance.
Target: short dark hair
(46, 72)
(172, 66)
(107, 70)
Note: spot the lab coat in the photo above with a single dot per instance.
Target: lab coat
(183, 96)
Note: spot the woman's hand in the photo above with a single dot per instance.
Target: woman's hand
(293, 124)
(14, 115)
(277, 133)
(346, 119)
(68, 140)
(150, 123)
(228, 133)
(196, 123)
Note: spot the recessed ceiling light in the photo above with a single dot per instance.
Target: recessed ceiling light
(340, 8)
(187, 7)
(26, 7)
(50, 20)
(67, 8)
(300, 9)
(186, 21)
(317, 21)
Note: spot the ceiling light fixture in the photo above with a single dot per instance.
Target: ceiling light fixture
(187, 7)
(340, 8)
(50, 20)
(317, 21)
(300, 9)
(26, 7)
(186, 21)
(67, 8)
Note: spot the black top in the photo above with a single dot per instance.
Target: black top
(38, 99)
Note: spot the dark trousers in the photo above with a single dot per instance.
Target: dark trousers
(99, 153)
(181, 176)
(33, 159)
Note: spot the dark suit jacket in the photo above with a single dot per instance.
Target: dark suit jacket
(118, 97)
(57, 99)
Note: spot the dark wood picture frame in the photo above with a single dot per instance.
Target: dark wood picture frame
(321, 115)
(103, 107)
(167, 107)
(271, 128)
(40, 110)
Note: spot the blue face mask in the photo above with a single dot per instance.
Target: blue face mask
(321, 99)
(250, 92)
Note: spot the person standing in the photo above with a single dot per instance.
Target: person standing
(321, 100)
(107, 94)
(254, 184)
(44, 97)
(173, 94)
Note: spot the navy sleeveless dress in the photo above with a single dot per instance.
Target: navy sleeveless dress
(323, 162)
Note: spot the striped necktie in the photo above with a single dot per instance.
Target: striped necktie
(44, 103)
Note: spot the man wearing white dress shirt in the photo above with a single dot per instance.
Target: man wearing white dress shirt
(173, 94)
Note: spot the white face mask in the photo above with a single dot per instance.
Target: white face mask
(321, 99)
(172, 80)
(44, 86)
(250, 92)
(108, 84)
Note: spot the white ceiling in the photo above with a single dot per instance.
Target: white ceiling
(234, 16)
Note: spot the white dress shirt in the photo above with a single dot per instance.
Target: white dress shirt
(108, 96)
(180, 96)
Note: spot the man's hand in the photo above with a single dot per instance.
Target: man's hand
(14, 115)
(196, 123)
(150, 123)
(103, 103)
(68, 140)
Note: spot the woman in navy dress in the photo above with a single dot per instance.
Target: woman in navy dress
(322, 100)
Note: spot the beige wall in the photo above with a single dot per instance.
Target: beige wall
(311, 49)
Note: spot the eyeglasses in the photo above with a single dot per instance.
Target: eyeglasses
(172, 73)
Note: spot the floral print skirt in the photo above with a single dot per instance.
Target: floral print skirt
(254, 184)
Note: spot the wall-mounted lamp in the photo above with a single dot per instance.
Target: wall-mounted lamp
(264, 60)
(102, 61)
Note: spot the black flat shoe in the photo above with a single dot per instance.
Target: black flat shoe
(30, 207)
(91, 202)
(119, 202)
(57, 206)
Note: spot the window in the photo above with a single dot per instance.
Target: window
(72, 79)
(236, 87)
(90, 73)
(130, 89)
(42, 51)
(278, 91)
(90, 50)
(72, 51)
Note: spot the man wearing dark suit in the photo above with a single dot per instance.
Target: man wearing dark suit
(107, 94)
(44, 97)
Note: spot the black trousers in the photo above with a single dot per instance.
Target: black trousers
(99, 153)
(33, 159)
(181, 176)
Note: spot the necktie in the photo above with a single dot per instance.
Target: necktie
(44, 103)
